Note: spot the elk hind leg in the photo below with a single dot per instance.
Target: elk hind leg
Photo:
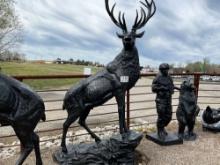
(82, 122)
(72, 117)
(26, 141)
(36, 141)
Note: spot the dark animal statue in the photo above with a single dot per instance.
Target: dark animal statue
(211, 119)
(187, 110)
(21, 108)
(113, 81)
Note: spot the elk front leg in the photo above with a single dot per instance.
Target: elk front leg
(120, 98)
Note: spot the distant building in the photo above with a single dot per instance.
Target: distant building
(48, 62)
(179, 70)
(147, 69)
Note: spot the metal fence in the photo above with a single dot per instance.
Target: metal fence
(140, 104)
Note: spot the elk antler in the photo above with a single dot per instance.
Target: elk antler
(139, 23)
(121, 20)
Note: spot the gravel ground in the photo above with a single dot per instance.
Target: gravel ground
(204, 151)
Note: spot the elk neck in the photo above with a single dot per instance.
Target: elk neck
(126, 64)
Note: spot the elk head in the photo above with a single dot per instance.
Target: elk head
(128, 38)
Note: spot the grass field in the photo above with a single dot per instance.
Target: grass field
(28, 68)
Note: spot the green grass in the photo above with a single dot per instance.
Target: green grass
(28, 68)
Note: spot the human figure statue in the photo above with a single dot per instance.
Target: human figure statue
(164, 88)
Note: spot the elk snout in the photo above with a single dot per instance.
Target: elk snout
(127, 39)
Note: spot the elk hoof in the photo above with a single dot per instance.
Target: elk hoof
(64, 150)
(97, 140)
(39, 163)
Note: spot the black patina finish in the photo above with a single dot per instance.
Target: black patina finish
(120, 75)
(163, 86)
(21, 108)
(211, 119)
(113, 151)
(187, 110)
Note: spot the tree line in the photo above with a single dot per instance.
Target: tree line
(204, 66)
(12, 56)
(78, 62)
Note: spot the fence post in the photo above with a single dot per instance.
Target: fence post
(196, 84)
(128, 109)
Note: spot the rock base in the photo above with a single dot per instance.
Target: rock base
(119, 149)
(171, 139)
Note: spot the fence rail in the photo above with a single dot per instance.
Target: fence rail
(136, 108)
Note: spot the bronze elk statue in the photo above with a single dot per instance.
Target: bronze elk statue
(21, 108)
(108, 83)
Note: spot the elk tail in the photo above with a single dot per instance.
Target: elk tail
(64, 106)
(43, 116)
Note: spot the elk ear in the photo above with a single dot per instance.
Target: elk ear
(119, 35)
(139, 35)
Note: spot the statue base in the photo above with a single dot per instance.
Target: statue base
(213, 129)
(191, 137)
(170, 139)
(119, 149)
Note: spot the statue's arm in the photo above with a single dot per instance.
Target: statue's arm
(154, 86)
(157, 87)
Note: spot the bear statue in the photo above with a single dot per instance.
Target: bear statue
(187, 110)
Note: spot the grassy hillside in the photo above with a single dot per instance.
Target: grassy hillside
(27, 68)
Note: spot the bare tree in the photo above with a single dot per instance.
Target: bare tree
(10, 27)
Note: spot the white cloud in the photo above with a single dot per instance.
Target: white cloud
(180, 30)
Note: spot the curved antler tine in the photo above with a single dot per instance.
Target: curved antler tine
(145, 18)
(149, 4)
(136, 19)
(118, 22)
(112, 14)
(119, 19)
(146, 5)
(138, 22)
(124, 22)
(155, 8)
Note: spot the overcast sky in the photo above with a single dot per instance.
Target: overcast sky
(180, 32)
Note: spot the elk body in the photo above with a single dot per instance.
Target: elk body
(21, 108)
(106, 84)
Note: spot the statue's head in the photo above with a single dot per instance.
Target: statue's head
(211, 115)
(128, 37)
(164, 69)
(187, 85)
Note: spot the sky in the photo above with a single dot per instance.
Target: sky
(178, 33)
